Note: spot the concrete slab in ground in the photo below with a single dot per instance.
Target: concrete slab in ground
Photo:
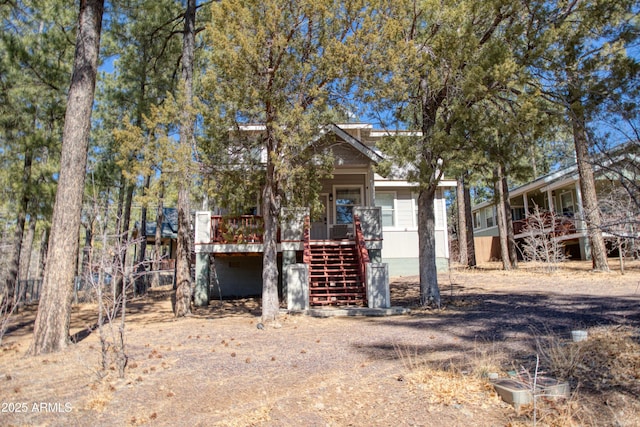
(357, 311)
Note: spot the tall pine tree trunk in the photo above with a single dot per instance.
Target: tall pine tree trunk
(183, 274)
(465, 223)
(270, 210)
(511, 240)
(87, 250)
(587, 186)
(14, 266)
(51, 328)
(463, 246)
(471, 246)
(27, 249)
(429, 104)
(429, 290)
(155, 278)
(502, 223)
(141, 278)
(42, 253)
(142, 253)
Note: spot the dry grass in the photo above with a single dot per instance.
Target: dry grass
(454, 382)
(448, 386)
(609, 359)
(348, 371)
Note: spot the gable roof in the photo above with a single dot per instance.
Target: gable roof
(169, 228)
(568, 174)
(337, 130)
(355, 143)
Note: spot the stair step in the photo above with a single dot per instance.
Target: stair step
(335, 279)
(334, 300)
(336, 283)
(334, 274)
(351, 291)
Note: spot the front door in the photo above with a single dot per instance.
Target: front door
(319, 227)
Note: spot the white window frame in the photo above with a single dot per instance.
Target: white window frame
(492, 211)
(573, 201)
(477, 220)
(394, 209)
(335, 198)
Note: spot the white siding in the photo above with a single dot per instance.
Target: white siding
(440, 212)
(405, 213)
(400, 244)
(401, 241)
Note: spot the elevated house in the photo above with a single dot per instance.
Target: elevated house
(366, 233)
(557, 196)
(168, 237)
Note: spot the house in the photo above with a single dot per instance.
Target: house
(556, 195)
(366, 218)
(168, 237)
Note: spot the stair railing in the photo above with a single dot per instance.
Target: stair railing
(306, 239)
(363, 253)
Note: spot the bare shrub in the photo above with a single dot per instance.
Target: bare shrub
(557, 355)
(541, 243)
(112, 302)
(7, 309)
(105, 264)
(620, 223)
(608, 360)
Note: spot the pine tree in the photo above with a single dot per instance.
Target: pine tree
(433, 61)
(581, 60)
(279, 64)
(33, 64)
(51, 329)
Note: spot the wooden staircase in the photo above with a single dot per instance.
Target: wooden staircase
(335, 277)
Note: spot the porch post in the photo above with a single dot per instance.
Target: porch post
(371, 223)
(298, 287)
(378, 294)
(550, 200)
(202, 235)
(292, 235)
(288, 258)
(525, 198)
(201, 297)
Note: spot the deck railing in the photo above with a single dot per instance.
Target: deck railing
(560, 225)
(363, 253)
(237, 230)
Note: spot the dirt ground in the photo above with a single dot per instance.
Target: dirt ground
(217, 368)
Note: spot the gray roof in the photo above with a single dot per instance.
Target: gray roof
(169, 224)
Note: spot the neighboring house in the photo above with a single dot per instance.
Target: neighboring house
(387, 214)
(556, 194)
(168, 239)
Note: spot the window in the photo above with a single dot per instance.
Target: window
(517, 213)
(346, 199)
(476, 220)
(386, 201)
(566, 200)
(491, 213)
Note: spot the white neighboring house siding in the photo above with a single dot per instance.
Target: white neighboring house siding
(400, 246)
